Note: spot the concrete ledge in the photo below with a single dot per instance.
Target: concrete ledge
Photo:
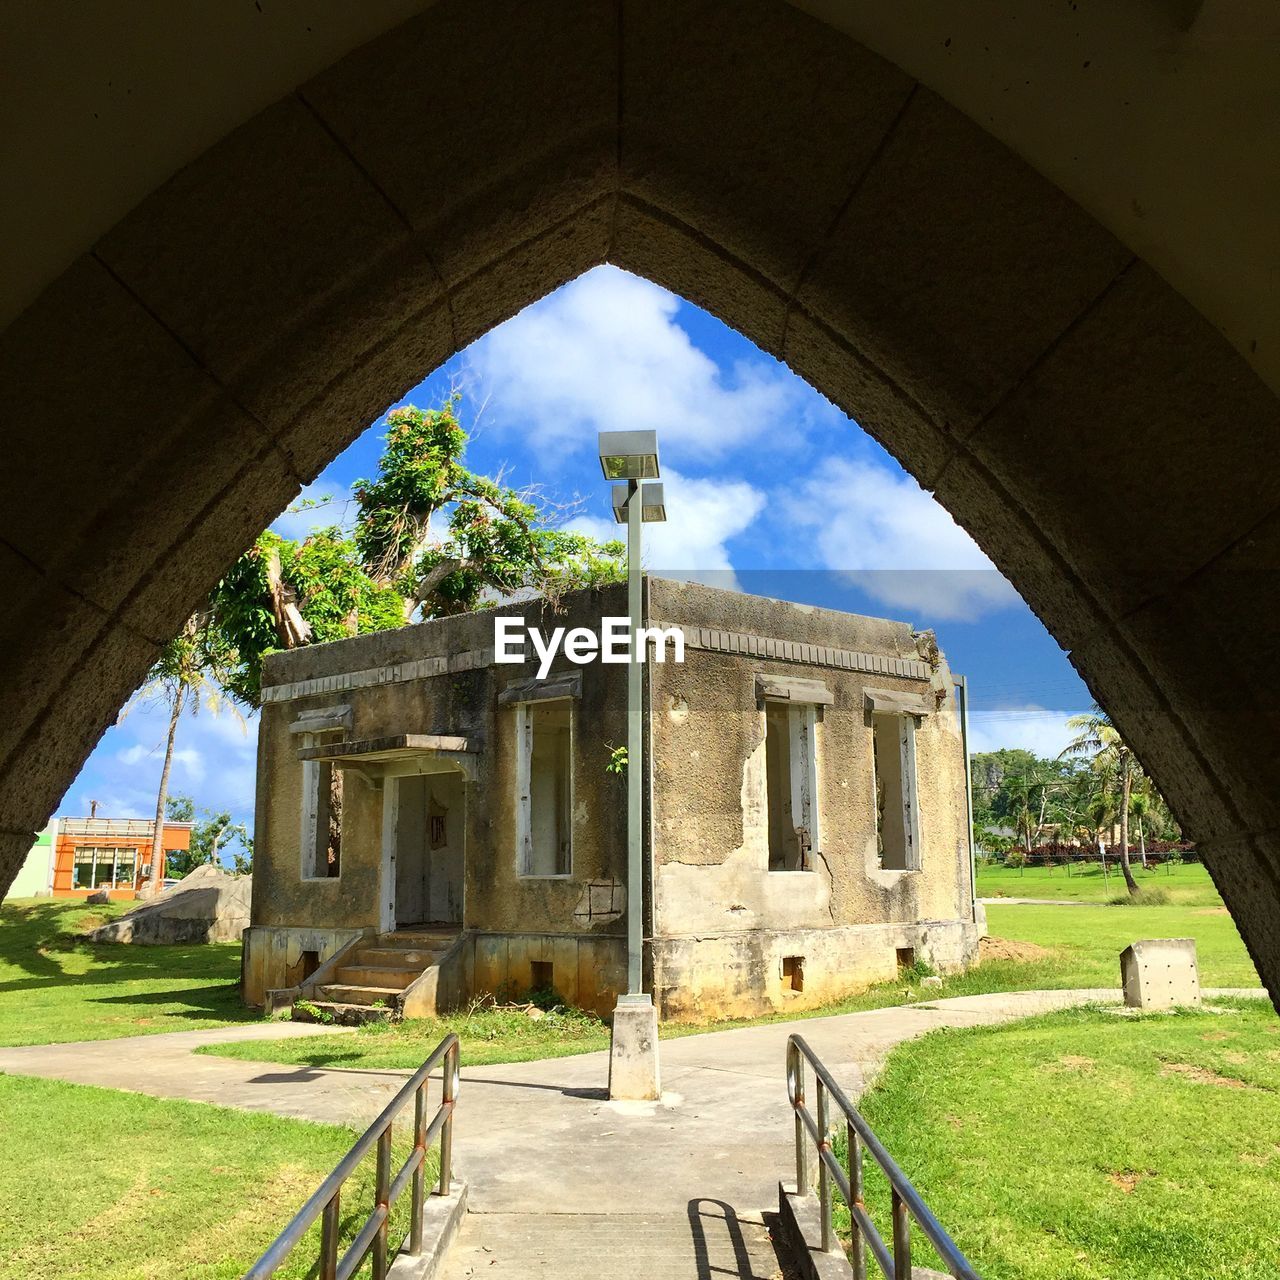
(801, 1229)
(801, 1225)
(441, 1218)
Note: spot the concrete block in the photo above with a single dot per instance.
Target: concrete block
(441, 1221)
(722, 135)
(518, 134)
(650, 243)
(634, 1075)
(956, 265)
(1147, 714)
(234, 253)
(131, 405)
(1142, 375)
(800, 1220)
(1160, 973)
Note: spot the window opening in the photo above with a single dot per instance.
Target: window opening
(544, 787)
(791, 784)
(893, 755)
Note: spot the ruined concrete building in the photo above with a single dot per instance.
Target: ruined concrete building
(434, 825)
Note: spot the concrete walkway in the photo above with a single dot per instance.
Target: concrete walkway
(561, 1180)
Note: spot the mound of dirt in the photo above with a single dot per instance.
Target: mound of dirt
(1007, 949)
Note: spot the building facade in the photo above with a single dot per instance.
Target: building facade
(92, 854)
(807, 826)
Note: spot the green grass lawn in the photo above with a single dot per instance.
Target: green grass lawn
(54, 986)
(1188, 885)
(1086, 1146)
(1075, 947)
(116, 1186)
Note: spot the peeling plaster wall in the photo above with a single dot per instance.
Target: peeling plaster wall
(723, 919)
(462, 700)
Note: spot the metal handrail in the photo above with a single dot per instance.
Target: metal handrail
(907, 1203)
(328, 1197)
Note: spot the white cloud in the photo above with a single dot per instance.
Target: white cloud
(896, 542)
(605, 354)
(702, 516)
(1028, 725)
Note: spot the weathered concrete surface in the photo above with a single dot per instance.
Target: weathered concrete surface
(1160, 973)
(635, 1072)
(209, 905)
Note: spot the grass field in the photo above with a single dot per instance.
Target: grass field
(1069, 946)
(117, 1186)
(1087, 1146)
(56, 987)
(1188, 885)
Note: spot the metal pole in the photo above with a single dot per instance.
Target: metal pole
(635, 750)
(824, 1174)
(420, 1173)
(962, 683)
(383, 1199)
(857, 1246)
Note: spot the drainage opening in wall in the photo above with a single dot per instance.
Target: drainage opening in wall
(906, 957)
(541, 975)
(793, 973)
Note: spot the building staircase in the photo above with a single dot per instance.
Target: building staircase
(380, 978)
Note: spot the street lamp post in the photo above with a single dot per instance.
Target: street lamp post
(632, 457)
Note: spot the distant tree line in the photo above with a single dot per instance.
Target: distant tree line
(1094, 799)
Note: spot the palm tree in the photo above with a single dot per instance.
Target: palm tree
(182, 676)
(1097, 737)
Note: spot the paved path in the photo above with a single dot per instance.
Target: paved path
(561, 1180)
(1038, 902)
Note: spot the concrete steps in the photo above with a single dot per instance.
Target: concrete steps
(369, 984)
(709, 1240)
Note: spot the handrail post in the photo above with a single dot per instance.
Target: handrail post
(901, 1238)
(420, 1173)
(383, 1201)
(449, 1091)
(824, 1174)
(329, 1237)
(857, 1245)
(802, 1159)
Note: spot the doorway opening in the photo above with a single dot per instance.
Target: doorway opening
(429, 845)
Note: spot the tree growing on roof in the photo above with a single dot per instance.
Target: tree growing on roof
(431, 537)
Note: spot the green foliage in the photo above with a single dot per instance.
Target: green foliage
(617, 760)
(431, 538)
(211, 839)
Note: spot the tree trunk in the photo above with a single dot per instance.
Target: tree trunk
(157, 839)
(213, 846)
(1142, 842)
(1130, 883)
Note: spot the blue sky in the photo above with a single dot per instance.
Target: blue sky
(769, 488)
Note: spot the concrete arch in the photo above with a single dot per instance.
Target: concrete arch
(169, 393)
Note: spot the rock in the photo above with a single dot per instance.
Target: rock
(209, 905)
(99, 897)
(931, 981)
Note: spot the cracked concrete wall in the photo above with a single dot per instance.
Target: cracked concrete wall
(497, 900)
(723, 919)
(268, 302)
